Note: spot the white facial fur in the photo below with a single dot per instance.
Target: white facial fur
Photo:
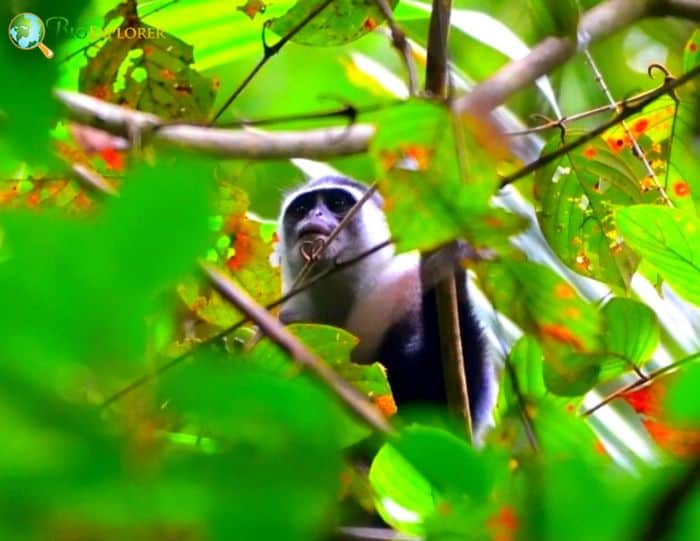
(374, 231)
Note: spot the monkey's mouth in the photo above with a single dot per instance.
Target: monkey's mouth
(313, 230)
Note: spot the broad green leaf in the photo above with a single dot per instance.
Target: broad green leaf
(143, 67)
(277, 472)
(682, 400)
(575, 194)
(419, 176)
(666, 238)
(340, 22)
(333, 346)
(80, 290)
(411, 485)
(691, 55)
(631, 330)
(573, 374)
(526, 359)
(548, 307)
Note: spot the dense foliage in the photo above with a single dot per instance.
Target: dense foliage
(138, 403)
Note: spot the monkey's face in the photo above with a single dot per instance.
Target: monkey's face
(309, 220)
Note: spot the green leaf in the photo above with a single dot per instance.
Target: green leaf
(682, 400)
(81, 290)
(147, 69)
(278, 467)
(526, 358)
(631, 330)
(666, 238)
(575, 194)
(573, 374)
(410, 483)
(340, 22)
(420, 178)
(691, 54)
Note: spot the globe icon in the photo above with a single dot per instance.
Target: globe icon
(27, 32)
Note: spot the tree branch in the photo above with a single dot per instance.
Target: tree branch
(222, 143)
(277, 332)
(596, 24)
(627, 111)
(688, 9)
(452, 357)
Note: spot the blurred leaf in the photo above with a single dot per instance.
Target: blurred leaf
(548, 307)
(333, 345)
(27, 107)
(77, 289)
(667, 239)
(421, 182)
(241, 248)
(554, 17)
(279, 468)
(573, 374)
(683, 402)
(411, 486)
(146, 69)
(527, 360)
(631, 330)
(340, 22)
(691, 55)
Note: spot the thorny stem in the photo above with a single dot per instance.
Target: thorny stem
(635, 145)
(401, 44)
(626, 112)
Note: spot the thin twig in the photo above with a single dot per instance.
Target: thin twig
(92, 180)
(269, 52)
(401, 44)
(628, 111)
(563, 121)
(146, 378)
(643, 381)
(281, 336)
(635, 145)
(595, 24)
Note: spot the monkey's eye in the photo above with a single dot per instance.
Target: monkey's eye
(301, 206)
(338, 201)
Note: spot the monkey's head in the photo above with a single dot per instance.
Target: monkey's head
(311, 212)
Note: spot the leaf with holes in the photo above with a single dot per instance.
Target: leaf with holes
(144, 68)
(340, 22)
(576, 194)
(668, 239)
(416, 162)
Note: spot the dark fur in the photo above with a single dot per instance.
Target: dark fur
(410, 353)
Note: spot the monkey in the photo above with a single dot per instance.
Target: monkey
(387, 300)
